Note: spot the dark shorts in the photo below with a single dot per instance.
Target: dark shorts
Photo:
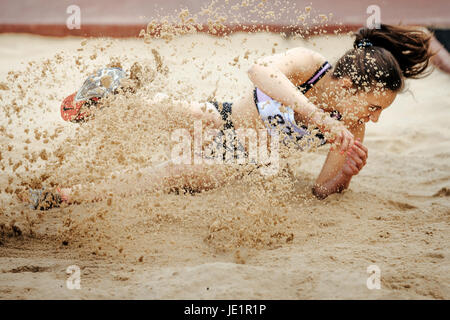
(226, 139)
(225, 112)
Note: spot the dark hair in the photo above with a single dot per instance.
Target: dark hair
(386, 56)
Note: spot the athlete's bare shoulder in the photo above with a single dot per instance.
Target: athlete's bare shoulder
(297, 63)
(305, 53)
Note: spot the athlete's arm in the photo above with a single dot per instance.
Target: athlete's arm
(278, 76)
(339, 169)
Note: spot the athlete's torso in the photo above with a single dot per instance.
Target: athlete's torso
(277, 116)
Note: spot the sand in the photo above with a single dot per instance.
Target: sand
(253, 238)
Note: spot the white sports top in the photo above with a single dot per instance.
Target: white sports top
(273, 117)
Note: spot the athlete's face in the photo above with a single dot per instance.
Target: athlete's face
(373, 103)
(364, 106)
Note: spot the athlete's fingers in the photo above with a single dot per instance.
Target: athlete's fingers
(349, 143)
(361, 154)
(352, 142)
(359, 144)
(353, 167)
(344, 142)
(352, 162)
(348, 140)
(348, 170)
(356, 158)
(339, 141)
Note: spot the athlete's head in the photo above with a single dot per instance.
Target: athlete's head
(380, 61)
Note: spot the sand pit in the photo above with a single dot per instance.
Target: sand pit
(253, 238)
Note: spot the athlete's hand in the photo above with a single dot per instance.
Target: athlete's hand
(339, 134)
(356, 159)
(346, 140)
(343, 138)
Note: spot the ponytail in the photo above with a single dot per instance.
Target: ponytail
(409, 46)
(386, 55)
